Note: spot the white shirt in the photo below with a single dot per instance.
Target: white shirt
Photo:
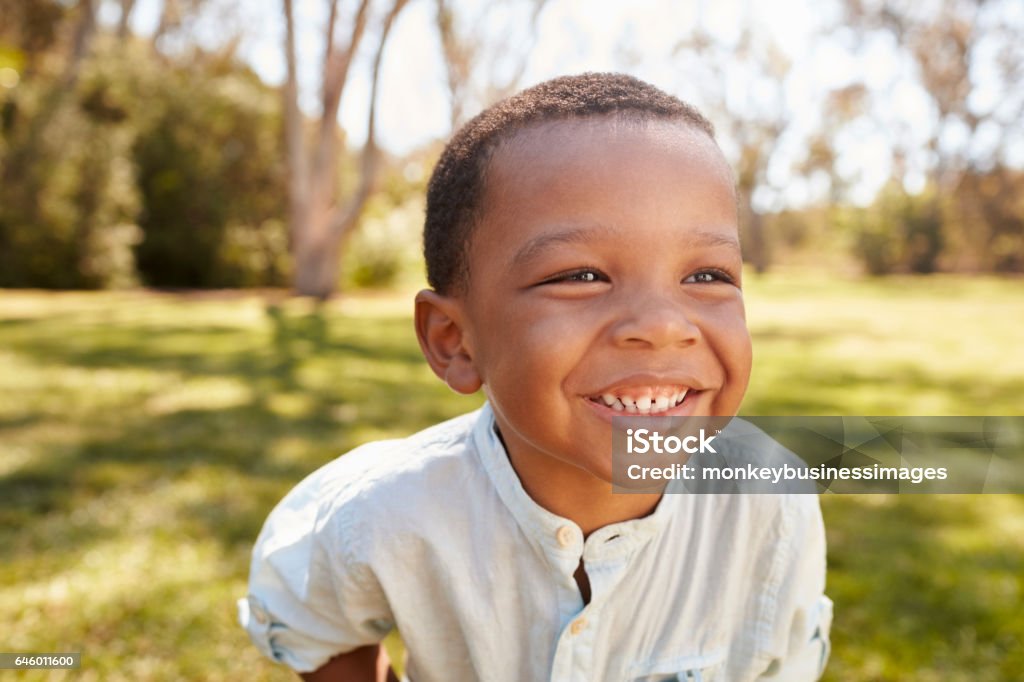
(434, 534)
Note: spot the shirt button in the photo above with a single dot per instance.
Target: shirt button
(565, 535)
(578, 626)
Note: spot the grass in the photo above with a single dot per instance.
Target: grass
(144, 437)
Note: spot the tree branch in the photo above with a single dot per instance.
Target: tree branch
(342, 222)
(84, 30)
(332, 18)
(336, 70)
(337, 66)
(511, 84)
(123, 25)
(295, 146)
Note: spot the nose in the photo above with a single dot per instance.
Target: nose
(655, 322)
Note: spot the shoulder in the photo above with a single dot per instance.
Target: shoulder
(761, 524)
(748, 460)
(372, 485)
(387, 466)
(747, 443)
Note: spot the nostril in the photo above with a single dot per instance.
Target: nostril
(656, 328)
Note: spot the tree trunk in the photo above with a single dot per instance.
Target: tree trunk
(318, 222)
(758, 248)
(123, 23)
(752, 238)
(317, 261)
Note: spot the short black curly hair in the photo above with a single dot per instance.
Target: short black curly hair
(456, 188)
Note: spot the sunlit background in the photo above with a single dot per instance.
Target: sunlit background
(207, 261)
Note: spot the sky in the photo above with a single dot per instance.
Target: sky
(637, 37)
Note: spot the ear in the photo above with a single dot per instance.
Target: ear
(442, 337)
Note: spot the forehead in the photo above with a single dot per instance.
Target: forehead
(621, 173)
(558, 142)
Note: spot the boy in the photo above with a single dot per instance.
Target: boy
(582, 249)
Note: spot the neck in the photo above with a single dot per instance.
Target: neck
(590, 504)
(575, 494)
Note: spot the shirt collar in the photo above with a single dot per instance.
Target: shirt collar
(559, 538)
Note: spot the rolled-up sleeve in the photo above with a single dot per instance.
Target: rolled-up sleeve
(799, 646)
(312, 594)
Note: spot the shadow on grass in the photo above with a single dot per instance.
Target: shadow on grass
(316, 388)
(925, 580)
(922, 585)
(209, 347)
(830, 394)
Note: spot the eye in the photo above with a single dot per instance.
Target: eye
(709, 276)
(582, 275)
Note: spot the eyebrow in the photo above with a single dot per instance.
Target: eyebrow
(579, 235)
(570, 235)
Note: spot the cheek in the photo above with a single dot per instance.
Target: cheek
(730, 340)
(531, 348)
(740, 347)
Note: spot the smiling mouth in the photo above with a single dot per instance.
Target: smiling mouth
(652, 400)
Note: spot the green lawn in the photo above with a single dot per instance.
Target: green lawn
(144, 437)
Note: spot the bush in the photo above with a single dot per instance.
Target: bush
(211, 176)
(900, 232)
(387, 248)
(169, 173)
(67, 196)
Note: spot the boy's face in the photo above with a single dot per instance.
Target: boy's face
(606, 269)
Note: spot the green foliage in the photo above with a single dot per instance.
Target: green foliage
(992, 217)
(899, 232)
(29, 28)
(875, 243)
(211, 176)
(67, 197)
(145, 437)
(387, 248)
(172, 173)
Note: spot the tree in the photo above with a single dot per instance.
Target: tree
(58, 189)
(755, 113)
(469, 51)
(123, 21)
(208, 159)
(117, 161)
(40, 22)
(957, 49)
(319, 221)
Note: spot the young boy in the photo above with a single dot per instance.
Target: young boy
(582, 249)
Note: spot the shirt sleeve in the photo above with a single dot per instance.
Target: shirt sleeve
(799, 646)
(312, 593)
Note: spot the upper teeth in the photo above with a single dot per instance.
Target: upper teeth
(645, 404)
